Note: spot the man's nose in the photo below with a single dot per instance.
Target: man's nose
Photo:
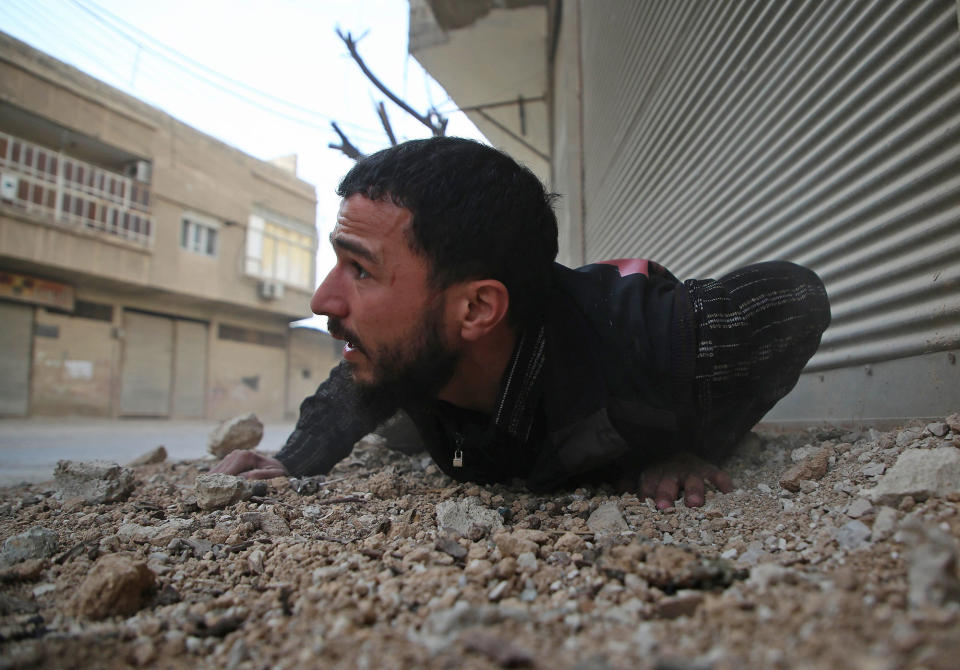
(328, 299)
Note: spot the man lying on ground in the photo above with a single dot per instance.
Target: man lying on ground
(451, 307)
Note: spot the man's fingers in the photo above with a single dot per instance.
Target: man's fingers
(263, 473)
(667, 491)
(721, 480)
(693, 494)
(649, 479)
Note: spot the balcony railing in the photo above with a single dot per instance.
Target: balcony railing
(73, 193)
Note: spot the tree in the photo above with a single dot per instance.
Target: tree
(432, 118)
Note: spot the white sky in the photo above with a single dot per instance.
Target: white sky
(289, 72)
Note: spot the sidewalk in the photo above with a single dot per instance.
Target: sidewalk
(30, 448)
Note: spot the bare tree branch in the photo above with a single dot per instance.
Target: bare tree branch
(346, 146)
(432, 119)
(385, 121)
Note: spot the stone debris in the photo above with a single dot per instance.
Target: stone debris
(93, 482)
(32, 544)
(387, 562)
(933, 566)
(157, 455)
(240, 432)
(464, 515)
(812, 468)
(920, 474)
(607, 518)
(954, 422)
(118, 585)
(218, 490)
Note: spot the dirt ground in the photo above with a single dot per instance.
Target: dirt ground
(353, 570)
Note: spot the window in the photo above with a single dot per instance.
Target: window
(199, 234)
(280, 249)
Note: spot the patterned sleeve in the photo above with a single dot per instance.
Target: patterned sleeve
(331, 421)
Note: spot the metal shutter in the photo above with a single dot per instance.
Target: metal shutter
(147, 365)
(15, 339)
(827, 133)
(190, 369)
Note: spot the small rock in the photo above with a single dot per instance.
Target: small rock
(451, 547)
(908, 436)
(159, 536)
(938, 428)
(498, 591)
(255, 561)
(932, 566)
(884, 523)
(873, 469)
(921, 474)
(35, 543)
(273, 525)
(461, 516)
(93, 482)
(240, 432)
(858, 508)
(219, 490)
(501, 650)
(607, 519)
(116, 585)
(513, 544)
(852, 535)
(766, 575)
(527, 562)
(954, 422)
(812, 468)
(158, 455)
(570, 543)
(685, 603)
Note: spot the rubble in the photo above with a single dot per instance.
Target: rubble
(240, 432)
(32, 544)
(157, 455)
(93, 482)
(218, 490)
(919, 474)
(387, 562)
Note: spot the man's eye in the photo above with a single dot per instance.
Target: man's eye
(361, 271)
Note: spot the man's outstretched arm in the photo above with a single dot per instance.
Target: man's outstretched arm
(331, 421)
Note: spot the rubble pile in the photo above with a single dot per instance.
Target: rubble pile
(837, 549)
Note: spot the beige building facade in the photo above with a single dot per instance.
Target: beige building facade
(146, 269)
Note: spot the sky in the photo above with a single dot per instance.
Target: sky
(265, 76)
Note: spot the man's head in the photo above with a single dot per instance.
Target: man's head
(476, 214)
(439, 243)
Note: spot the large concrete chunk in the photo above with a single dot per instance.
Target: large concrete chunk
(116, 585)
(35, 543)
(219, 490)
(240, 432)
(465, 514)
(95, 482)
(921, 473)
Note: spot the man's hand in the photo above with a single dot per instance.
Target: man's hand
(250, 464)
(663, 481)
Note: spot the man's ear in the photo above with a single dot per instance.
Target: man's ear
(484, 305)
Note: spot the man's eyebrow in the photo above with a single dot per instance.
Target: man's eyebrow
(353, 248)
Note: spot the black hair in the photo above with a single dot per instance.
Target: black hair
(477, 214)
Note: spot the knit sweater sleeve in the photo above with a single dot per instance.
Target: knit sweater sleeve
(331, 421)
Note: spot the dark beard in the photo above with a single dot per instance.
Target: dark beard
(413, 374)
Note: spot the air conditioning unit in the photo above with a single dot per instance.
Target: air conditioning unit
(139, 170)
(270, 290)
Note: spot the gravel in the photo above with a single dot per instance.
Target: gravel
(388, 563)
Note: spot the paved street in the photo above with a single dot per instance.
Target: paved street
(30, 449)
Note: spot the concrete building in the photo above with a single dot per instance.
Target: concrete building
(709, 135)
(146, 269)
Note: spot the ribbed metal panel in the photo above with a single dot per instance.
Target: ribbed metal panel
(827, 133)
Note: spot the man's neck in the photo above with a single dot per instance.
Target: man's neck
(477, 381)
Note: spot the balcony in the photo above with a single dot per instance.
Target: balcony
(72, 193)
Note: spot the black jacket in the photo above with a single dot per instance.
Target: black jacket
(615, 390)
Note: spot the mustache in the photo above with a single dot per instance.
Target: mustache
(337, 330)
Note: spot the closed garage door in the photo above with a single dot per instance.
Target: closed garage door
(15, 338)
(147, 365)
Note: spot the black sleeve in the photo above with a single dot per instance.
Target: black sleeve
(331, 421)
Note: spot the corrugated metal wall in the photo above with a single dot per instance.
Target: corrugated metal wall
(828, 133)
